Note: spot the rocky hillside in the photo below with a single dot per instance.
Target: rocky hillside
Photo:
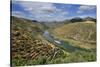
(28, 46)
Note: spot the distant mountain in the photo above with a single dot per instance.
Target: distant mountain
(89, 19)
(76, 19)
(34, 20)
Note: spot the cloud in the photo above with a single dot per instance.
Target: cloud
(22, 15)
(18, 14)
(43, 11)
(85, 8)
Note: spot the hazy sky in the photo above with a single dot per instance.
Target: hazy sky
(44, 11)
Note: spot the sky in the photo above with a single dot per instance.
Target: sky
(45, 11)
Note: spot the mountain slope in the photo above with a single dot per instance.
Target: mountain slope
(79, 33)
(28, 45)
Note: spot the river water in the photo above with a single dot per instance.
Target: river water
(63, 44)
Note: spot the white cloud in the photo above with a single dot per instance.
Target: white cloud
(85, 8)
(43, 11)
(22, 15)
(39, 7)
(17, 13)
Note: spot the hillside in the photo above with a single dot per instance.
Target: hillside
(63, 43)
(28, 45)
(79, 33)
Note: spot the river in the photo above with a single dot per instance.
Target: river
(60, 43)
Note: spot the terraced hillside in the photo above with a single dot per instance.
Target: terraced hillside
(28, 46)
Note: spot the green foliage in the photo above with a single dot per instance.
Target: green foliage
(78, 56)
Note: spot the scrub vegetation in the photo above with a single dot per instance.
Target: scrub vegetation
(29, 46)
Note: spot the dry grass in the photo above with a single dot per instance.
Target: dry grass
(80, 34)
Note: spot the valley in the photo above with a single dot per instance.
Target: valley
(36, 42)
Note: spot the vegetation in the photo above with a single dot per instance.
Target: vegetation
(29, 47)
(77, 31)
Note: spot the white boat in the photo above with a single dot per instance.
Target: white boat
(58, 42)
